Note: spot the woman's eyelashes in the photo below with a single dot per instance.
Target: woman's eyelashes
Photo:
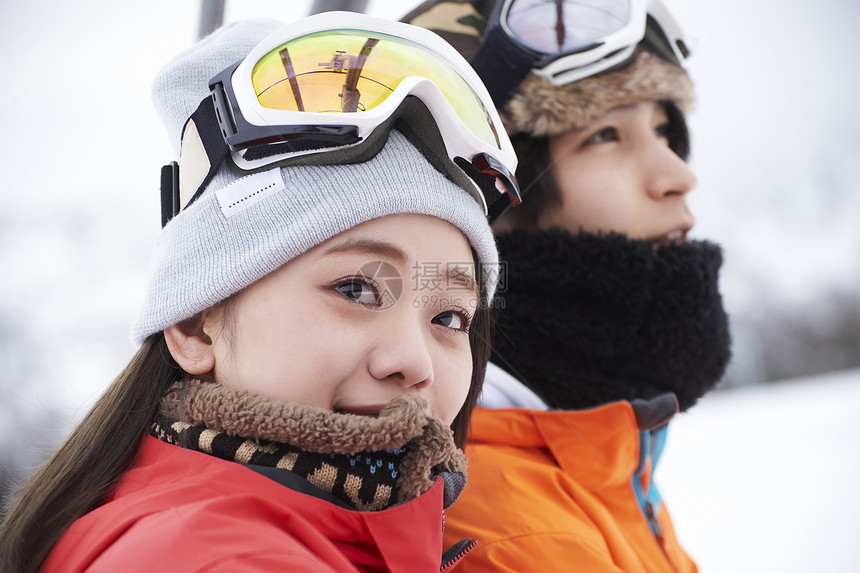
(364, 291)
(360, 289)
(662, 130)
(457, 320)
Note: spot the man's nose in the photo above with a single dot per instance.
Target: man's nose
(667, 175)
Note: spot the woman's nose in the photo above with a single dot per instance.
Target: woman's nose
(402, 355)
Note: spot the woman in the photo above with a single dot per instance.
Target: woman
(611, 320)
(297, 401)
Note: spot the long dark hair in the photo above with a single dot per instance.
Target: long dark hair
(90, 462)
(104, 445)
(480, 339)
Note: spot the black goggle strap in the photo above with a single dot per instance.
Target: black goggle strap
(169, 192)
(657, 41)
(205, 126)
(203, 130)
(502, 65)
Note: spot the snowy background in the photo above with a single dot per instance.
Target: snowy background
(757, 475)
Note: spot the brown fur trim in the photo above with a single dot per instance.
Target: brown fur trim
(242, 413)
(539, 108)
(404, 419)
(433, 450)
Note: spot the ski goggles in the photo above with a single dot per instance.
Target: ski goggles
(567, 40)
(329, 88)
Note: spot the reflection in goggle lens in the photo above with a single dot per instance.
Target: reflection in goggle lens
(347, 71)
(561, 26)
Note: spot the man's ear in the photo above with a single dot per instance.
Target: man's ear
(190, 346)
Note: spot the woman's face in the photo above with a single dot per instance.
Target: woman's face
(380, 310)
(618, 174)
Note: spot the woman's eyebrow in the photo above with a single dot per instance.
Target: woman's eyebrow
(382, 249)
(458, 276)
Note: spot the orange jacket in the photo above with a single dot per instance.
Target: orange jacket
(565, 490)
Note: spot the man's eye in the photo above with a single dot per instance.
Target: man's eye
(455, 320)
(604, 135)
(360, 290)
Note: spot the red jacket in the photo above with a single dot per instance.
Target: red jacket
(566, 491)
(185, 511)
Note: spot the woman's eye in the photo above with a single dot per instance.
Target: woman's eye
(602, 136)
(360, 290)
(455, 320)
(662, 130)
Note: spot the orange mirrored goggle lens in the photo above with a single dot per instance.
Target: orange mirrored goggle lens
(346, 71)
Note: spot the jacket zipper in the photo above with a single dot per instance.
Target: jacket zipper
(647, 446)
(450, 563)
(655, 525)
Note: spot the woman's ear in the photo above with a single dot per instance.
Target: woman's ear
(190, 346)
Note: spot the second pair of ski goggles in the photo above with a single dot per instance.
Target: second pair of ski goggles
(567, 40)
(328, 88)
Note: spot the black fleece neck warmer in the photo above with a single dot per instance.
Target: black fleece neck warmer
(589, 319)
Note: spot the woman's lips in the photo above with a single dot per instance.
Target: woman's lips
(369, 410)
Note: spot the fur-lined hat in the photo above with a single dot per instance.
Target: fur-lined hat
(539, 108)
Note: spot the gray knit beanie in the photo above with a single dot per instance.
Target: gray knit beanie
(244, 227)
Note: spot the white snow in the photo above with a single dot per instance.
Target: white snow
(764, 478)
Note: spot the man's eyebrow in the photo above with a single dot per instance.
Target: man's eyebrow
(382, 249)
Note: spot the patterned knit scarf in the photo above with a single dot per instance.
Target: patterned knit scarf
(370, 463)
